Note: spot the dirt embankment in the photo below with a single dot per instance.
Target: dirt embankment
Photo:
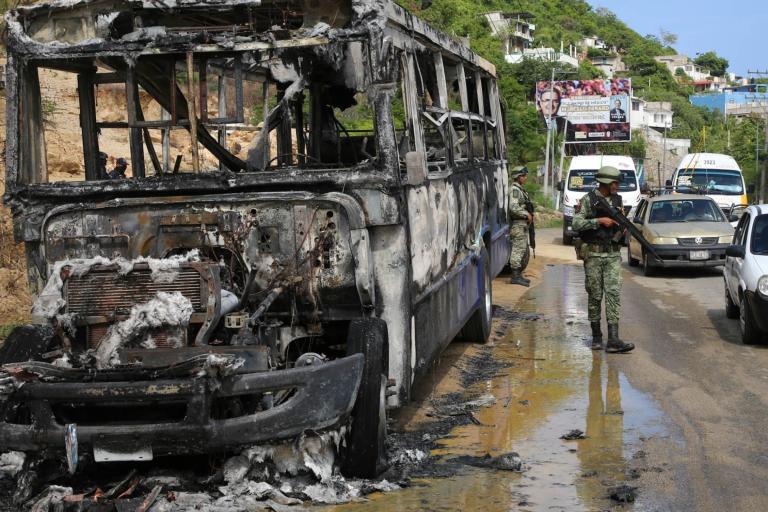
(14, 295)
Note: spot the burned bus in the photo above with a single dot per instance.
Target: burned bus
(314, 206)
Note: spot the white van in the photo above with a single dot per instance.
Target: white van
(713, 174)
(582, 178)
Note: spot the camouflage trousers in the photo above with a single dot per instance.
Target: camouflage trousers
(602, 276)
(518, 238)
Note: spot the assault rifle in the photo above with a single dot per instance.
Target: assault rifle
(618, 216)
(531, 228)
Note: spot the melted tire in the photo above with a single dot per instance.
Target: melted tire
(365, 454)
(25, 343)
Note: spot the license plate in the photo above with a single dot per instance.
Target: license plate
(699, 255)
(103, 453)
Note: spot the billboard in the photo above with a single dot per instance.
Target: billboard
(596, 110)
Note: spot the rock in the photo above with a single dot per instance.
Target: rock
(623, 493)
(506, 462)
(573, 435)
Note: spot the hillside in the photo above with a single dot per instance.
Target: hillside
(569, 21)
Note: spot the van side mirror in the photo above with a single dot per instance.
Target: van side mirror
(638, 220)
(734, 217)
(560, 185)
(668, 183)
(735, 251)
(645, 189)
(751, 189)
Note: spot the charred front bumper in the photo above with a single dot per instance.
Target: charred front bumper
(172, 410)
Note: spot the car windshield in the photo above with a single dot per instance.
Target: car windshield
(685, 210)
(711, 181)
(584, 180)
(759, 243)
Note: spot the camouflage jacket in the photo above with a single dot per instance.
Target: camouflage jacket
(517, 199)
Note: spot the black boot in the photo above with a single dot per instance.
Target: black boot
(597, 336)
(517, 278)
(615, 345)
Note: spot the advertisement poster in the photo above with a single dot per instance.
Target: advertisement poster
(596, 110)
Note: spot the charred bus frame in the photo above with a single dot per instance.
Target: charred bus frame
(323, 243)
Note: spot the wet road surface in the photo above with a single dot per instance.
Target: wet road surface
(681, 419)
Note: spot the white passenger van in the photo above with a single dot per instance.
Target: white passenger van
(713, 174)
(582, 178)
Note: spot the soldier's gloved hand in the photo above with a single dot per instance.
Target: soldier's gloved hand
(606, 222)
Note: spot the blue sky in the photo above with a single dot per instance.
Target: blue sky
(736, 30)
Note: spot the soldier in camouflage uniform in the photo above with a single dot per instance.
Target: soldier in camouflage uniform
(600, 236)
(519, 219)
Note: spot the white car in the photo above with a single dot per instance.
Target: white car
(746, 274)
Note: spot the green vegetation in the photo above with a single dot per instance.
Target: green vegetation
(569, 21)
(716, 65)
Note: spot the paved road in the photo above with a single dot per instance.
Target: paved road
(682, 419)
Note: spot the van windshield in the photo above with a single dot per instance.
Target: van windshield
(584, 180)
(712, 181)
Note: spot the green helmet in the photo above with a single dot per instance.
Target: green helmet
(519, 170)
(608, 174)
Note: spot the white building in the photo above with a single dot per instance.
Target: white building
(682, 62)
(545, 55)
(513, 28)
(650, 114)
(594, 42)
(609, 65)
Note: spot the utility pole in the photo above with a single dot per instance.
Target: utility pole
(762, 172)
(550, 142)
(549, 134)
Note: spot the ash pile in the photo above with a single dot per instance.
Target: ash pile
(284, 476)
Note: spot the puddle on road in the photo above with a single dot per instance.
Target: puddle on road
(556, 384)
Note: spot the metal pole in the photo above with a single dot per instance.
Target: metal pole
(658, 173)
(760, 193)
(166, 116)
(765, 163)
(549, 135)
(192, 111)
(560, 168)
(664, 151)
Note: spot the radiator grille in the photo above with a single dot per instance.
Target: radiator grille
(706, 240)
(103, 292)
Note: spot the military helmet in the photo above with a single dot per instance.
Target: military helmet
(519, 170)
(608, 174)
(122, 161)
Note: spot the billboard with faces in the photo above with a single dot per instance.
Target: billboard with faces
(596, 110)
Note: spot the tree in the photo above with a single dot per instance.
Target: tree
(716, 65)
(668, 38)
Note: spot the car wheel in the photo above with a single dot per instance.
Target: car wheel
(731, 309)
(365, 455)
(648, 269)
(567, 239)
(633, 262)
(750, 334)
(478, 327)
